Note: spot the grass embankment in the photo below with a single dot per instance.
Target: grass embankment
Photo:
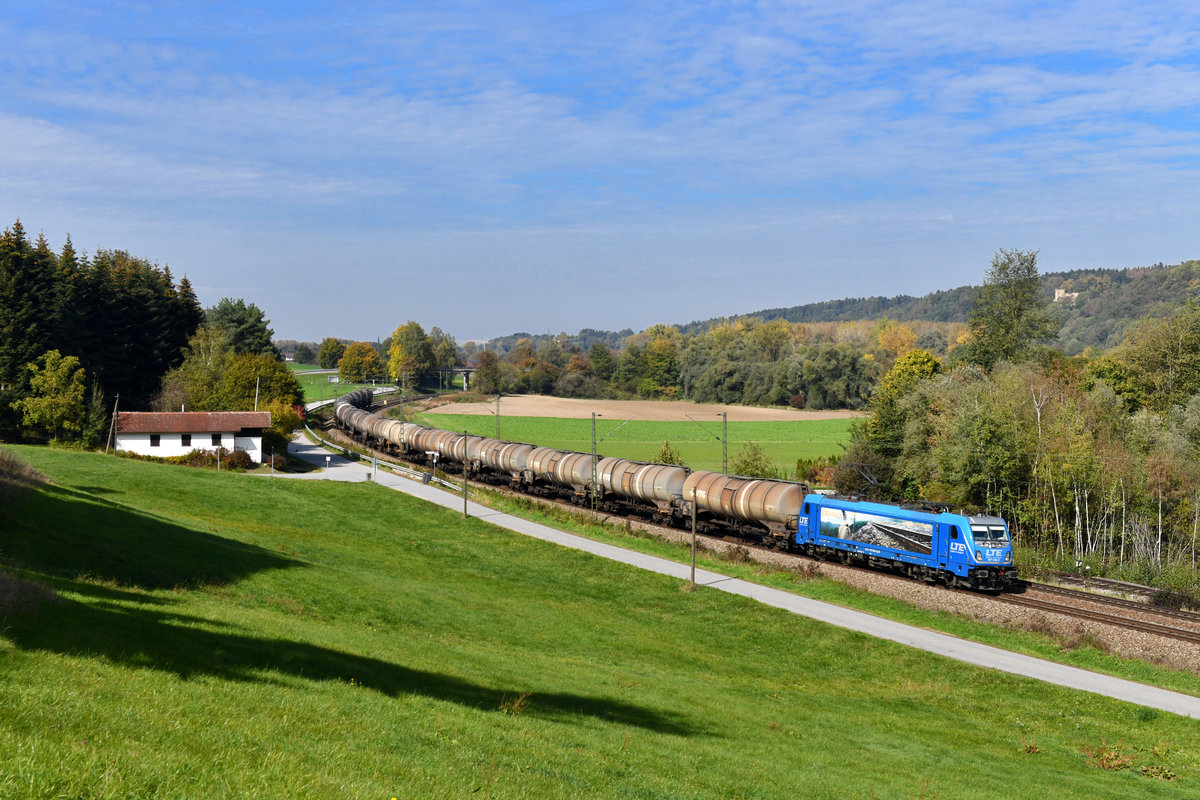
(225, 635)
(784, 441)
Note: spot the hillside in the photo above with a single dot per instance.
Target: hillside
(1108, 301)
(342, 640)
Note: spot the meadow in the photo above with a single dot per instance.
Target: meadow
(698, 447)
(342, 640)
(319, 387)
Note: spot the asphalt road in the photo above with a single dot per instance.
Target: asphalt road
(341, 469)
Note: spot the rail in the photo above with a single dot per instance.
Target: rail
(1101, 617)
(397, 469)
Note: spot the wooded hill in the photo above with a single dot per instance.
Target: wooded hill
(1108, 301)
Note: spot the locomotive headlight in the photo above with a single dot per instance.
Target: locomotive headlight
(978, 556)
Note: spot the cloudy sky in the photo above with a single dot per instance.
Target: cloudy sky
(491, 167)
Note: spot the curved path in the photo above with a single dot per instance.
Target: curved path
(943, 644)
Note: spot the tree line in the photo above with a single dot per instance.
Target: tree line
(99, 327)
(80, 336)
(1090, 459)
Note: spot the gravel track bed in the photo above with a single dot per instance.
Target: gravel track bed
(1070, 632)
(1148, 615)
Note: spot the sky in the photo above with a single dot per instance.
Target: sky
(495, 167)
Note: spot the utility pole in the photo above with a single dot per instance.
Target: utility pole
(693, 536)
(497, 415)
(593, 462)
(725, 442)
(111, 427)
(257, 378)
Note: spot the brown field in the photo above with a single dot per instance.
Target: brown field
(533, 405)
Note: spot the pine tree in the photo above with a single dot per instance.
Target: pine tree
(27, 316)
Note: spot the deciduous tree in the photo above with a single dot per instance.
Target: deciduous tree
(55, 404)
(1010, 316)
(330, 352)
(360, 363)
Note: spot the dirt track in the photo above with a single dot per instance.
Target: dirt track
(531, 405)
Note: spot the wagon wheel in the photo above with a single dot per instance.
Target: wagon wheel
(951, 580)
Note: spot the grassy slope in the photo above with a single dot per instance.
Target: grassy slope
(641, 439)
(361, 644)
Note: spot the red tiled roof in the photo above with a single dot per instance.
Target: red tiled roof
(191, 421)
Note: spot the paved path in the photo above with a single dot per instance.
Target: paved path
(952, 647)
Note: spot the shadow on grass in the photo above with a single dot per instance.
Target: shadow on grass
(64, 532)
(150, 638)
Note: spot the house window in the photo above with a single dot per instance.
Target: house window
(216, 440)
(186, 440)
(155, 439)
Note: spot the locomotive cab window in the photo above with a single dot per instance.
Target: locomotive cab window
(953, 531)
(989, 535)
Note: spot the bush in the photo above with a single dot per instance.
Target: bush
(230, 459)
(796, 400)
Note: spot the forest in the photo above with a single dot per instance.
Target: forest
(82, 336)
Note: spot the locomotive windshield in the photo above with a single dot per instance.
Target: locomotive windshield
(989, 535)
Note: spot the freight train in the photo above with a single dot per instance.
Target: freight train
(927, 543)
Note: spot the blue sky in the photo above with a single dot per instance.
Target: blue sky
(490, 167)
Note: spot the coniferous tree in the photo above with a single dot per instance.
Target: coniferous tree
(26, 317)
(246, 327)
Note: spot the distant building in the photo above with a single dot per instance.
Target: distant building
(180, 432)
(1063, 296)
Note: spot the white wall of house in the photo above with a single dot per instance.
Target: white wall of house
(172, 444)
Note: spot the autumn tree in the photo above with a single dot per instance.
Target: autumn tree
(360, 363)
(254, 379)
(410, 355)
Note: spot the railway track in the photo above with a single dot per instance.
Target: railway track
(1105, 585)
(1117, 602)
(1092, 615)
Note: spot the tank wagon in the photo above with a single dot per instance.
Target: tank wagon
(929, 544)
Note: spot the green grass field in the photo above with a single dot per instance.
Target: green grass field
(784, 441)
(235, 636)
(318, 387)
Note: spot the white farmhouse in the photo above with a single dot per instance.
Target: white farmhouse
(180, 432)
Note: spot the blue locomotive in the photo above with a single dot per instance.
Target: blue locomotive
(929, 544)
